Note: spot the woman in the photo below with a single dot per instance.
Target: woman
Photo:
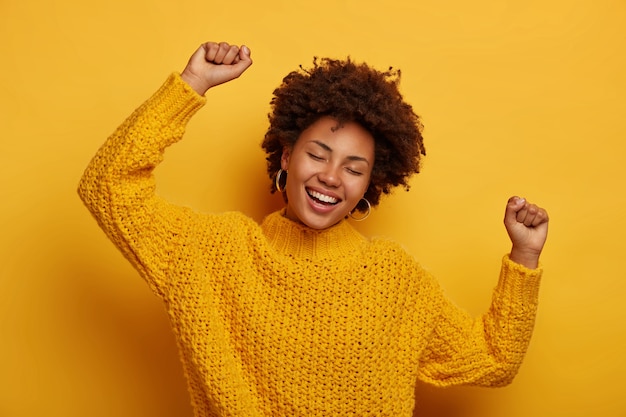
(302, 315)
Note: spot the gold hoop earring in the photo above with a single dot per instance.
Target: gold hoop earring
(277, 179)
(369, 210)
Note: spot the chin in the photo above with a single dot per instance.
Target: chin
(317, 222)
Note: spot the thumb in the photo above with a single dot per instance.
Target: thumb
(513, 206)
(245, 59)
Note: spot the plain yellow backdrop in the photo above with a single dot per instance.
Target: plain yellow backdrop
(517, 98)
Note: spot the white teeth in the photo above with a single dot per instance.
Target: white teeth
(322, 197)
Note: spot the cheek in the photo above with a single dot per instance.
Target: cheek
(359, 185)
(302, 168)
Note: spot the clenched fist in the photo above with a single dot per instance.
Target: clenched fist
(215, 63)
(527, 226)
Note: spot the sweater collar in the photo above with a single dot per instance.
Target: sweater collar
(295, 240)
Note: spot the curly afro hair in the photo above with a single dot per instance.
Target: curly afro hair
(349, 92)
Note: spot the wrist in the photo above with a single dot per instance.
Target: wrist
(194, 82)
(526, 257)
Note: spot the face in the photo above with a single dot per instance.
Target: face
(328, 172)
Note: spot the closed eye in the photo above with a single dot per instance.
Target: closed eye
(316, 157)
(354, 172)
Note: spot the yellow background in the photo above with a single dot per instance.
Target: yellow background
(517, 98)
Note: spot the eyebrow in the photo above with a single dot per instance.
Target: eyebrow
(350, 157)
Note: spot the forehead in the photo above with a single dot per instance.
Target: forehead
(329, 134)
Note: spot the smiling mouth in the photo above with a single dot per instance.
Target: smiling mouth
(322, 198)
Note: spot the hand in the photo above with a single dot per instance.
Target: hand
(215, 63)
(527, 226)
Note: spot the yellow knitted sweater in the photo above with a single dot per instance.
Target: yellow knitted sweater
(281, 320)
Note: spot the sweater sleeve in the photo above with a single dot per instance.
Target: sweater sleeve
(118, 185)
(487, 351)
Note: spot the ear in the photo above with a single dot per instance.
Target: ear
(284, 159)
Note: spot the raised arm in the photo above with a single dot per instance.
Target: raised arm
(489, 350)
(118, 185)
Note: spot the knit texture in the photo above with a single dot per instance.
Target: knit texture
(281, 320)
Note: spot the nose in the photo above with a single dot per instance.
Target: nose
(330, 176)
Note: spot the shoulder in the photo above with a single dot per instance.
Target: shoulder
(197, 228)
(388, 248)
(393, 271)
(232, 223)
(390, 254)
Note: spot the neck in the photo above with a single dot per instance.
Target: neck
(296, 240)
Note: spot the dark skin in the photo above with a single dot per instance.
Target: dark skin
(216, 63)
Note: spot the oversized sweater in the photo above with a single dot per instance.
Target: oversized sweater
(279, 319)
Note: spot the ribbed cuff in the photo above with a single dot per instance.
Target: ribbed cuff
(518, 286)
(176, 100)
